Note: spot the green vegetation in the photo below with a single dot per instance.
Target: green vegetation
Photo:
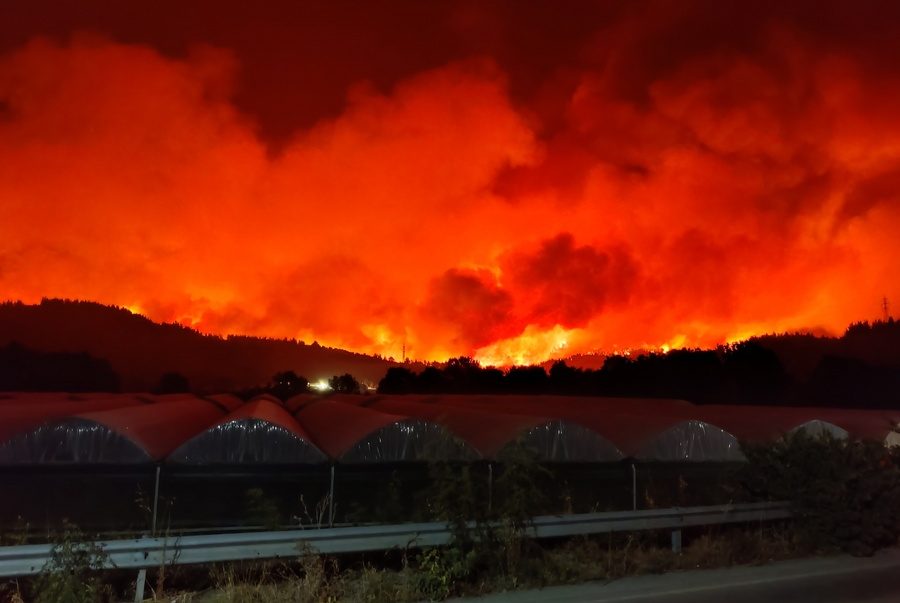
(73, 574)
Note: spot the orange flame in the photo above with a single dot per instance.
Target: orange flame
(445, 219)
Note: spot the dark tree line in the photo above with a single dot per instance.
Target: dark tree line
(744, 373)
(286, 384)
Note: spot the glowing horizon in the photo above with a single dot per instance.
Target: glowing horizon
(463, 205)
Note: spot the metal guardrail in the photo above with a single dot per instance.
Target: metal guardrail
(138, 553)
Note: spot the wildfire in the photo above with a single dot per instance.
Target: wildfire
(451, 213)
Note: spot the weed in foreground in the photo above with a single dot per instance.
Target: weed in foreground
(73, 573)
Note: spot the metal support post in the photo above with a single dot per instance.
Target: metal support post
(676, 541)
(155, 502)
(633, 487)
(139, 586)
(331, 499)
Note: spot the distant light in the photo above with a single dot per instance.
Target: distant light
(321, 385)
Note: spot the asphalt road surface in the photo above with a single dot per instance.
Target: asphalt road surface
(840, 579)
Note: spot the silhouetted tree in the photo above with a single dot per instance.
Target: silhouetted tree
(527, 380)
(431, 381)
(288, 383)
(489, 381)
(397, 380)
(563, 379)
(756, 373)
(344, 384)
(461, 374)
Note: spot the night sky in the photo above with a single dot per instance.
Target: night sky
(509, 180)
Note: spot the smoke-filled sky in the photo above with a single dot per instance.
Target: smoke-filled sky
(509, 180)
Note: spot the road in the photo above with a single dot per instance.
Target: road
(839, 579)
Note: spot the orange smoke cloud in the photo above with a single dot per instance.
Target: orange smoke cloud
(743, 194)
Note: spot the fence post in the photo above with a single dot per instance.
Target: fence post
(633, 487)
(142, 574)
(155, 502)
(331, 498)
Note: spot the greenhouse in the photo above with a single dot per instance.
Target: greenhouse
(691, 441)
(184, 429)
(357, 434)
(490, 432)
(258, 432)
(133, 434)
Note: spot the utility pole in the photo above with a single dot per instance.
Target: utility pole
(886, 308)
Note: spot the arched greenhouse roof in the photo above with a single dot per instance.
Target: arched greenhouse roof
(818, 428)
(490, 432)
(129, 434)
(295, 403)
(762, 424)
(266, 398)
(227, 401)
(691, 441)
(255, 433)
(356, 434)
(24, 416)
(623, 431)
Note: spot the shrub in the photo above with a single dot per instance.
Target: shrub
(845, 494)
(72, 575)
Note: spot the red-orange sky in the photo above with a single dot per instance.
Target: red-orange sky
(510, 180)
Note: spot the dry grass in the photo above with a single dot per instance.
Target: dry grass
(317, 580)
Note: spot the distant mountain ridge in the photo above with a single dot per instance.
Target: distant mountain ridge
(141, 351)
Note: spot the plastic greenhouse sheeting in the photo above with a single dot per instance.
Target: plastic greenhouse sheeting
(692, 441)
(624, 431)
(295, 403)
(892, 439)
(486, 433)
(132, 434)
(762, 424)
(817, 428)
(491, 432)
(22, 417)
(16, 398)
(409, 440)
(265, 398)
(256, 433)
(355, 434)
(647, 434)
(227, 401)
(551, 404)
(568, 442)
(71, 440)
(867, 424)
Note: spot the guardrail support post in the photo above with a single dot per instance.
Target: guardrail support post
(676, 541)
(139, 586)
